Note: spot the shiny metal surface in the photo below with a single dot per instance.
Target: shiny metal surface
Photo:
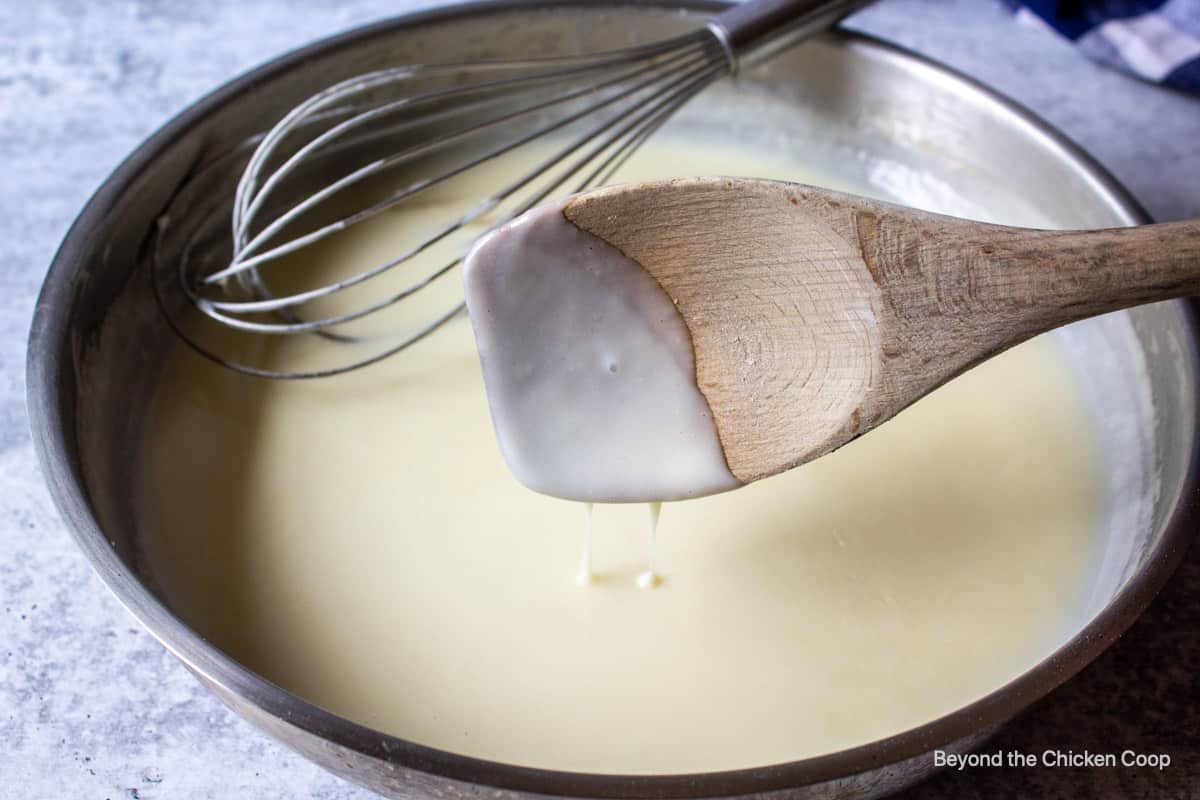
(98, 342)
(439, 121)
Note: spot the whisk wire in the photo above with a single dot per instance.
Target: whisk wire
(631, 93)
(412, 190)
(245, 259)
(360, 84)
(675, 92)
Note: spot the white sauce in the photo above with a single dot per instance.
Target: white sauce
(589, 368)
(359, 541)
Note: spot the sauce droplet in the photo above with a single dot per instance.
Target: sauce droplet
(584, 576)
(650, 578)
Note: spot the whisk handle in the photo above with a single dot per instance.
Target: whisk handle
(746, 26)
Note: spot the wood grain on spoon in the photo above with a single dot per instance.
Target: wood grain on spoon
(816, 315)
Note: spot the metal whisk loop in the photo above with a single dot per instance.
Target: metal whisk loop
(454, 118)
(551, 70)
(247, 257)
(672, 95)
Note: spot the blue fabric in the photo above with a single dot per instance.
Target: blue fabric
(1186, 77)
(1156, 40)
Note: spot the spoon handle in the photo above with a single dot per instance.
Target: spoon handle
(1058, 277)
(991, 286)
(956, 292)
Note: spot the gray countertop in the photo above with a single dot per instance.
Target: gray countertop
(92, 707)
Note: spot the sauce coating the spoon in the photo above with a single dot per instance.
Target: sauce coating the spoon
(589, 368)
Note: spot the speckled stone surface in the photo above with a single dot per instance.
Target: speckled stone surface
(92, 707)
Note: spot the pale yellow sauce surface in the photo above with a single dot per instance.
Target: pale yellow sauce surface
(360, 542)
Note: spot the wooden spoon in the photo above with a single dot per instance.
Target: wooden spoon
(815, 316)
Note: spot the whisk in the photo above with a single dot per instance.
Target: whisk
(431, 123)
